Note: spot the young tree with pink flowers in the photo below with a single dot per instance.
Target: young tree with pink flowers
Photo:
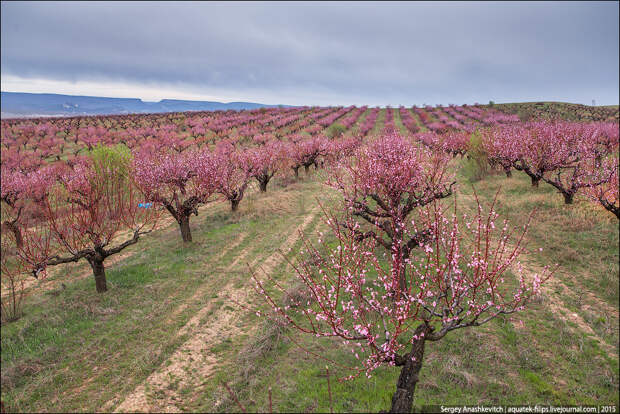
(20, 195)
(459, 279)
(266, 161)
(233, 173)
(384, 183)
(456, 142)
(606, 193)
(537, 148)
(180, 182)
(306, 152)
(501, 147)
(577, 153)
(311, 150)
(340, 148)
(87, 213)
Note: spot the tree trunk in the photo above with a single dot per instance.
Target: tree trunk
(568, 198)
(14, 228)
(99, 272)
(296, 169)
(402, 400)
(307, 169)
(234, 204)
(508, 172)
(609, 206)
(535, 181)
(262, 183)
(186, 232)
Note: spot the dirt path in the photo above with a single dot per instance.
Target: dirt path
(193, 361)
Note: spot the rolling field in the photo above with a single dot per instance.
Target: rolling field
(169, 332)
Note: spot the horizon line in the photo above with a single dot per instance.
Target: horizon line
(283, 104)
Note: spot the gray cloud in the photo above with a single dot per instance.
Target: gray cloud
(325, 53)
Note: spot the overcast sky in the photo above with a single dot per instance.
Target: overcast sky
(315, 53)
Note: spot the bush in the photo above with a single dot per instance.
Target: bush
(115, 159)
(336, 130)
(13, 281)
(14, 275)
(476, 165)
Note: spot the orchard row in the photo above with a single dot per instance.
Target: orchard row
(33, 142)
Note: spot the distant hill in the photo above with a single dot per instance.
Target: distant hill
(560, 110)
(17, 105)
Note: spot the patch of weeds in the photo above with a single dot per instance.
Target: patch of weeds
(222, 346)
(542, 387)
(131, 276)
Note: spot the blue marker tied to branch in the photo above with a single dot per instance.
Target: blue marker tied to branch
(145, 205)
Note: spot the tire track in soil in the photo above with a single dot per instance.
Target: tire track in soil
(192, 362)
(556, 305)
(201, 290)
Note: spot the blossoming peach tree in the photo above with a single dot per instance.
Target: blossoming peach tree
(180, 182)
(90, 213)
(384, 183)
(464, 274)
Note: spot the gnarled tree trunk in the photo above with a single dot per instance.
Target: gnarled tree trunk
(96, 263)
(262, 183)
(235, 197)
(610, 207)
(234, 204)
(186, 232)
(402, 400)
(14, 228)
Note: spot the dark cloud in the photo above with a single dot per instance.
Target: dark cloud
(325, 53)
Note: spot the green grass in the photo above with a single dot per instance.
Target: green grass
(355, 127)
(75, 350)
(417, 120)
(379, 123)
